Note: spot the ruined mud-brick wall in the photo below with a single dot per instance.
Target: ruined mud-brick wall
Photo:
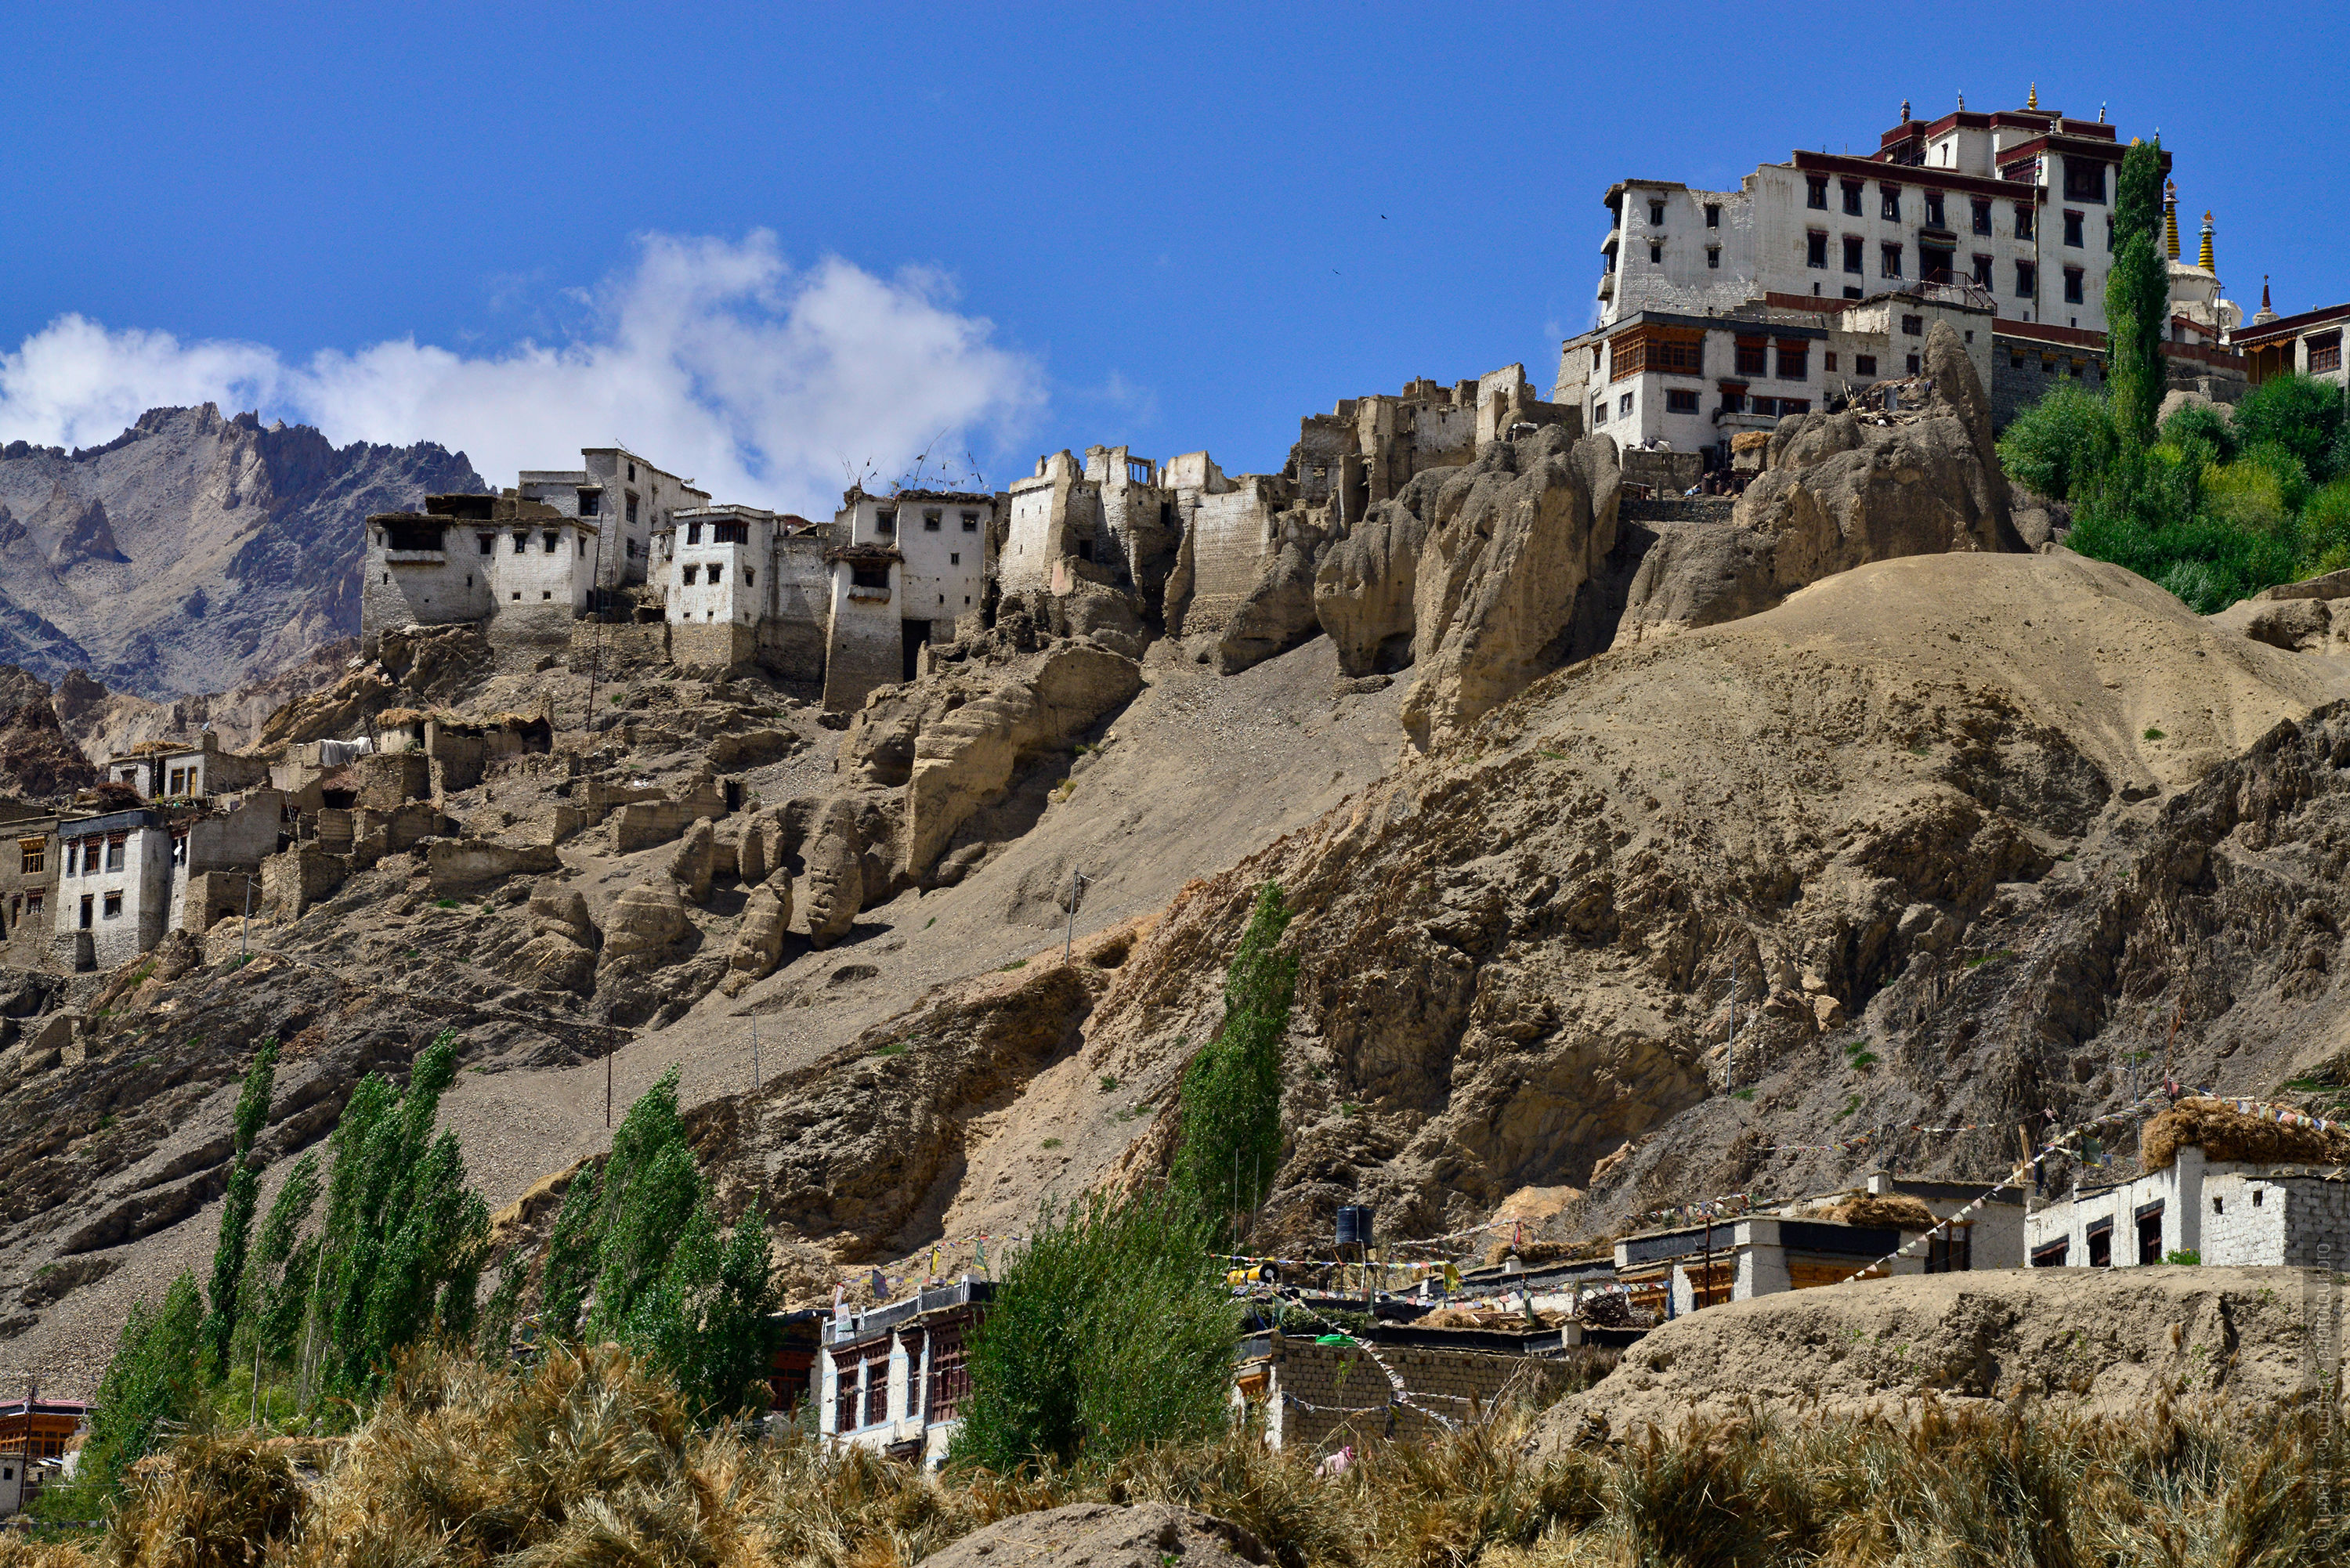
(713, 648)
(792, 635)
(614, 649)
(867, 646)
(1232, 536)
(1352, 1393)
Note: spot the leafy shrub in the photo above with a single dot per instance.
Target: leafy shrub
(2061, 441)
(1110, 1332)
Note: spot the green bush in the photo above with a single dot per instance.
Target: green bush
(1110, 1332)
(2189, 1256)
(154, 1382)
(2063, 440)
(2299, 414)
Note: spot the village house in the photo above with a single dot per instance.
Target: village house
(2294, 1213)
(521, 568)
(34, 1437)
(28, 879)
(2307, 344)
(628, 499)
(895, 1378)
(173, 770)
(114, 888)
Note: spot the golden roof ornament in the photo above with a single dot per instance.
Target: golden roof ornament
(2032, 101)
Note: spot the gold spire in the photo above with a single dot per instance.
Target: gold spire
(2170, 219)
(2033, 101)
(2203, 259)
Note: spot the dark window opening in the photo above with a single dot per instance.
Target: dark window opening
(913, 637)
(2072, 233)
(2101, 1245)
(2071, 285)
(1793, 360)
(1656, 214)
(1816, 193)
(2150, 1233)
(1852, 251)
(1933, 264)
(750, 577)
(1852, 197)
(1753, 357)
(688, 575)
(877, 1389)
(2022, 222)
(1681, 400)
(521, 540)
(885, 521)
(1983, 214)
(1889, 257)
(591, 503)
(2326, 353)
(1713, 257)
(1828, 361)
(1712, 215)
(1913, 364)
(632, 472)
(1934, 211)
(1851, 293)
(1913, 326)
(1815, 250)
(2027, 280)
(488, 543)
(1890, 202)
(730, 532)
(113, 910)
(88, 909)
(1951, 1251)
(2085, 180)
(874, 574)
(1982, 272)
(694, 533)
(2051, 1256)
(1084, 549)
(1655, 252)
(550, 541)
(1864, 364)
(970, 519)
(632, 505)
(415, 536)
(930, 522)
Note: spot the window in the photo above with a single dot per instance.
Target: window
(687, 575)
(179, 849)
(1794, 354)
(1713, 257)
(1950, 1252)
(873, 575)
(34, 854)
(550, 541)
(1767, 407)
(1656, 214)
(591, 503)
(750, 577)
(885, 521)
(114, 853)
(33, 902)
(521, 540)
(1913, 364)
(950, 1376)
(2085, 180)
(88, 909)
(1852, 253)
(113, 910)
(1599, 413)
(1864, 364)
(694, 533)
(2150, 1233)
(73, 857)
(2051, 1256)
(2076, 368)
(1982, 272)
(1733, 399)
(1934, 212)
(2071, 285)
(1983, 214)
(2073, 234)
(1752, 357)
(1815, 249)
(1681, 400)
(1852, 197)
(1085, 552)
(877, 1387)
(632, 506)
(2109, 237)
(583, 547)
(971, 522)
(2326, 353)
(1675, 356)
(2027, 280)
(515, 595)
(1828, 362)
(844, 1402)
(179, 782)
(1815, 195)
(547, 593)
(954, 557)
(930, 522)
(2022, 222)
(1624, 405)
(1712, 215)
(1656, 251)
(2101, 1245)
(632, 473)
(488, 543)
(1851, 293)
(1891, 258)
(1890, 201)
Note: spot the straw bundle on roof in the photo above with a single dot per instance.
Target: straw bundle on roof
(2223, 1132)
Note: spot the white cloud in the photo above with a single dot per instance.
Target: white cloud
(713, 358)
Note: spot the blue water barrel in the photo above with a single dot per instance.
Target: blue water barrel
(1354, 1225)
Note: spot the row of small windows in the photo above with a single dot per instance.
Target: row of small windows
(885, 521)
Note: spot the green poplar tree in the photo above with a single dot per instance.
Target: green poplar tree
(1231, 1137)
(2137, 300)
(237, 1207)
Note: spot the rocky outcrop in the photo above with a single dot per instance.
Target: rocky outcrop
(466, 865)
(695, 861)
(38, 759)
(561, 952)
(1278, 614)
(1363, 588)
(1839, 490)
(964, 760)
(1511, 539)
(195, 553)
(835, 873)
(759, 939)
(645, 919)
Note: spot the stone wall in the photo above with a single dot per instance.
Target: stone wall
(866, 648)
(300, 878)
(1232, 535)
(1350, 1394)
(2301, 1221)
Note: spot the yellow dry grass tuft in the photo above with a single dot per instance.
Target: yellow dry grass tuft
(2222, 1132)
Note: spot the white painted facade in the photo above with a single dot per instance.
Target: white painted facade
(626, 497)
(114, 888)
(2224, 1212)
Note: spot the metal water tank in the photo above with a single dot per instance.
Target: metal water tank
(1354, 1225)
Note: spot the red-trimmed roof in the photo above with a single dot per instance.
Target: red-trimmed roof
(2288, 325)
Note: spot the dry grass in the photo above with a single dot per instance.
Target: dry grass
(2221, 1132)
(592, 1461)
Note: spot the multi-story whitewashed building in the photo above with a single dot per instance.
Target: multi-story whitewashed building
(1722, 310)
(895, 1378)
(627, 498)
(2221, 1211)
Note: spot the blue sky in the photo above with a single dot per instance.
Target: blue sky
(822, 229)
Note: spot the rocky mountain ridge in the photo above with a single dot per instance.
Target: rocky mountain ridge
(195, 553)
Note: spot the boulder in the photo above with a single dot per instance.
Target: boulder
(1363, 589)
(553, 961)
(1513, 538)
(1839, 490)
(645, 918)
(1106, 1535)
(836, 873)
(1092, 612)
(559, 910)
(759, 939)
(751, 862)
(696, 860)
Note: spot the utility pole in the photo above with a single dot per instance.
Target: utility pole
(608, 1077)
(244, 927)
(1730, 1074)
(754, 1053)
(595, 659)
